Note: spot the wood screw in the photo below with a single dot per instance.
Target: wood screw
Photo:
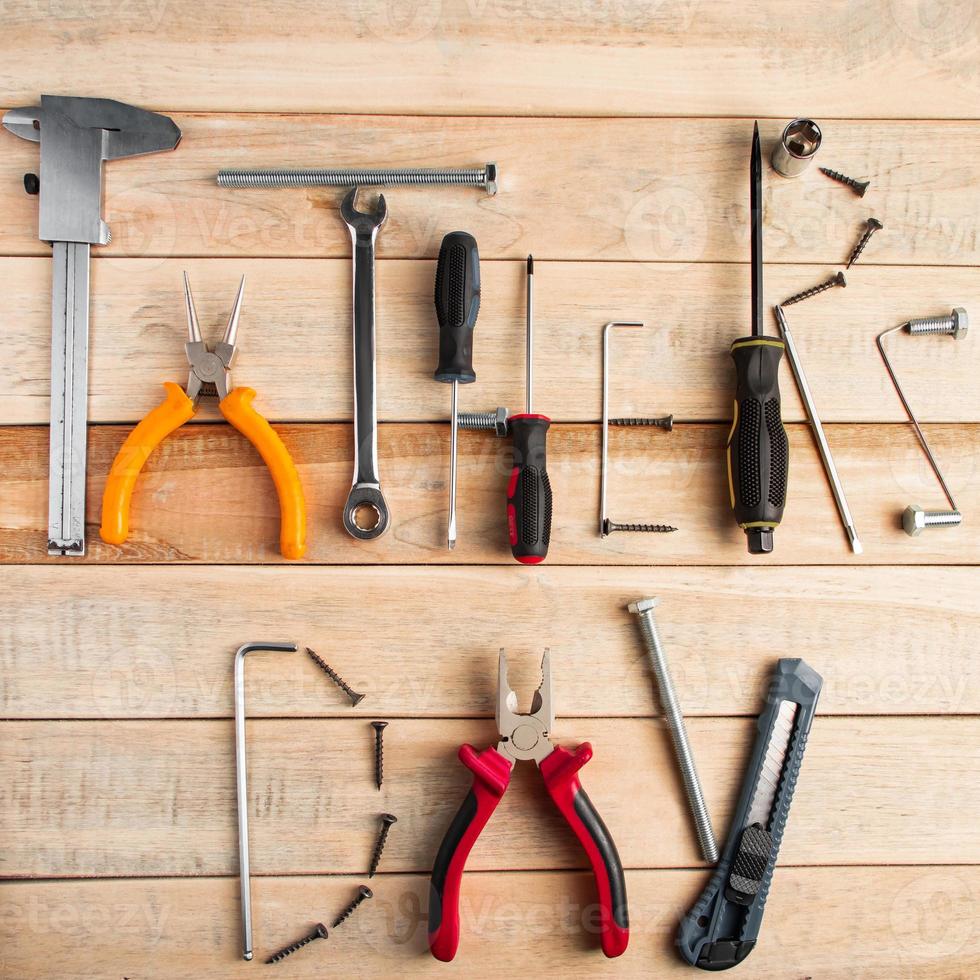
(379, 765)
(319, 933)
(387, 819)
(873, 225)
(362, 893)
(355, 698)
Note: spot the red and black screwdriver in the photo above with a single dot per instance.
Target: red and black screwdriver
(529, 489)
(758, 452)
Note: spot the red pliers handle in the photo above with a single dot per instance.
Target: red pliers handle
(491, 777)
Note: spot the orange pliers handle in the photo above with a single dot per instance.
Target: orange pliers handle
(175, 410)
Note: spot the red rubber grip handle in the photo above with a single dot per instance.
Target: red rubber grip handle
(491, 777)
(560, 772)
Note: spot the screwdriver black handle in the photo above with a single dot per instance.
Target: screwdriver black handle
(457, 305)
(529, 490)
(758, 453)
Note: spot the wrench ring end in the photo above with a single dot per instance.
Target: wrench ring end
(366, 501)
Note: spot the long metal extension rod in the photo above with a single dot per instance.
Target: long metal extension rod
(484, 177)
(242, 788)
(817, 426)
(634, 324)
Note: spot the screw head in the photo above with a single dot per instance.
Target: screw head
(388, 819)
(643, 605)
(379, 726)
(321, 930)
(874, 224)
(961, 322)
(840, 280)
(914, 520)
(365, 892)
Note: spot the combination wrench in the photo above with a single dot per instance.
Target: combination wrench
(366, 512)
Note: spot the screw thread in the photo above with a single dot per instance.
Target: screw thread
(873, 226)
(942, 518)
(319, 933)
(477, 420)
(678, 735)
(343, 177)
(837, 280)
(664, 422)
(610, 526)
(932, 324)
(860, 186)
(387, 821)
(363, 894)
(355, 698)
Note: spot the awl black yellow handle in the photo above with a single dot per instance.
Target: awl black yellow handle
(758, 453)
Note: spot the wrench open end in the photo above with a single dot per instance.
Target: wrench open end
(366, 513)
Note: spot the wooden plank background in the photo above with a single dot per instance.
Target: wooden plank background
(621, 131)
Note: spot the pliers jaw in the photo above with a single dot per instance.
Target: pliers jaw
(525, 737)
(210, 372)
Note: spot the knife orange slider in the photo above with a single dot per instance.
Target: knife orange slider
(210, 375)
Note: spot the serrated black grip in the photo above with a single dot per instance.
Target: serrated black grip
(758, 451)
(529, 490)
(457, 298)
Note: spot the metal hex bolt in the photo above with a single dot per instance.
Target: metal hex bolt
(915, 519)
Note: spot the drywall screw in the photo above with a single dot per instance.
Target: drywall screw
(609, 526)
(956, 324)
(379, 756)
(485, 177)
(665, 422)
(858, 186)
(362, 893)
(495, 421)
(873, 225)
(915, 520)
(837, 280)
(319, 933)
(355, 698)
(643, 608)
(387, 819)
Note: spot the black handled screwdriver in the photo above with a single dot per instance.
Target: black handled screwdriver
(758, 453)
(457, 298)
(529, 489)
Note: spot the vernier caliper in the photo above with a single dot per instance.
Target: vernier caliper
(76, 136)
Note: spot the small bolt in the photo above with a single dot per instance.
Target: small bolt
(319, 933)
(956, 324)
(664, 422)
(379, 768)
(858, 186)
(915, 520)
(32, 184)
(873, 225)
(837, 280)
(387, 819)
(495, 421)
(362, 893)
(675, 723)
(355, 698)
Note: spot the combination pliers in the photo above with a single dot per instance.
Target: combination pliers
(210, 375)
(526, 737)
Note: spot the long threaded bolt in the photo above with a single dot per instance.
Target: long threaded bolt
(915, 520)
(355, 698)
(387, 819)
(873, 225)
(379, 751)
(319, 933)
(643, 608)
(609, 526)
(362, 893)
(858, 186)
(495, 421)
(485, 177)
(665, 422)
(956, 324)
(837, 280)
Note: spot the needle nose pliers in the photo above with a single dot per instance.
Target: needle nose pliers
(210, 375)
(526, 737)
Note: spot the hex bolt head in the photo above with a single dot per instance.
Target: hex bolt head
(500, 420)
(640, 606)
(961, 322)
(914, 520)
